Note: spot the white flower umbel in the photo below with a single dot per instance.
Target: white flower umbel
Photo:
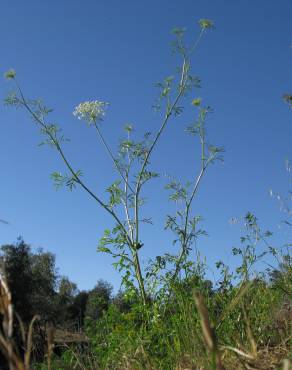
(90, 111)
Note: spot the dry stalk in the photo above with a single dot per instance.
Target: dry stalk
(208, 331)
(249, 333)
(243, 289)
(286, 364)
(7, 344)
(50, 344)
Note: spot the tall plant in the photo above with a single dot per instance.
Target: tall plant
(132, 163)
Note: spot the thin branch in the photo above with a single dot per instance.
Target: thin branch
(197, 41)
(145, 162)
(204, 165)
(185, 239)
(76, 177)
(111, 156)
(164, 123)
(126, 207)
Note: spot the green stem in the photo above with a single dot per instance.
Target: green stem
(145, 162)
(185, 237)
(204, 165)
(139, 181)
(111, 156)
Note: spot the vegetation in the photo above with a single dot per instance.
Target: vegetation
(168, 314)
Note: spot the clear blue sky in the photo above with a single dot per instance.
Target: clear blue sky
(71, 51)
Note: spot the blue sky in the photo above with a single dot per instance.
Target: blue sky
(68, 52)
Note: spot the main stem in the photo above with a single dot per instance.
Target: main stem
(139, 181)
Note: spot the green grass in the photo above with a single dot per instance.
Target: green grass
(244, 331)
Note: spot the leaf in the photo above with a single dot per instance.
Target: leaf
(58, 179)
(178, 111)
(103, 249)
(13, 100)
(178, 32)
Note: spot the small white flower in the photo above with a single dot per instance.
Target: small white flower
(90, 111)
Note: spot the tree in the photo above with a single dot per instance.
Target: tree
(45, 281)
(121, 302)
(32, 280)
(67, 291)
(17, 265)
(98, 300)
(76, 311)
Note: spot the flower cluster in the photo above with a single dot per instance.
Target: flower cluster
(206, 23)
(90, 111)
(197, 102)
(10, 74)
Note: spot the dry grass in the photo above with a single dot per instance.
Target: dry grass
(8, 347)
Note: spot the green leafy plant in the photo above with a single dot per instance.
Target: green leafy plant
(133, 166)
